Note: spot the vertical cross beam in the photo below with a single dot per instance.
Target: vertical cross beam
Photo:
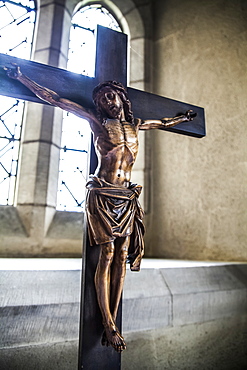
(111, 64)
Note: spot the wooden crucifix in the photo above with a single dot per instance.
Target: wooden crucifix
(114, 215)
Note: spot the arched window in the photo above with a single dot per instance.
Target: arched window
(76, 134)
(16, 37)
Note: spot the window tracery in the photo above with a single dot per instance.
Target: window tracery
(16, 38)
(76, 134)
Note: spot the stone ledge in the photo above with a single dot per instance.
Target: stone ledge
(65, 225)
(10, 222)
(63, 239)
(33, 324)
(181, 296)
(44, 305)
(45, 356)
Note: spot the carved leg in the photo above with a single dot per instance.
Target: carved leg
(102, 284)
(118, 273)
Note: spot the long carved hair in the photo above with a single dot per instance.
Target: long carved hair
(121, 91)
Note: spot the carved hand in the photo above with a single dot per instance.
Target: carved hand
(190, 115)
(14, 73)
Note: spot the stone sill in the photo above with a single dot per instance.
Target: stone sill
(39, 300)
(64, 225)
(27, 264)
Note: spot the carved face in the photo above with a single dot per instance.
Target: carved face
(110, 103)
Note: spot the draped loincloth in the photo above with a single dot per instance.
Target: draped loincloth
(113, 212)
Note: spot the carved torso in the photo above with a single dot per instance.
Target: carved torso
(116, 147)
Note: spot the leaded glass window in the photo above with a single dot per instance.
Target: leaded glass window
(16, 36)
(76, 133)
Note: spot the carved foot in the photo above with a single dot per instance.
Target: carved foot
(112, 337)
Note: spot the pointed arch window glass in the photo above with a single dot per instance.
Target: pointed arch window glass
(16, 37)
(76, 133)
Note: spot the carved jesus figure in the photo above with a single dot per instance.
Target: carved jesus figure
(113, 212)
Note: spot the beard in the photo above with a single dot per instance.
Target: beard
(113, 111)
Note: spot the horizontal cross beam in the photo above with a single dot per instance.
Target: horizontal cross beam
(150, 106)
(73, 86)
(78, 88)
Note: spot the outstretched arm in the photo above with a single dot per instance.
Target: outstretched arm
(50, 96)
(166, 122)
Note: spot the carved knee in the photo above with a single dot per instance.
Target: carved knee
(107, 252)
(123, 255)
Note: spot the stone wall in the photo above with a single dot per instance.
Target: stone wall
(199, 185)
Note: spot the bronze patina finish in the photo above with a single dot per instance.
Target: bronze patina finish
(113, 211)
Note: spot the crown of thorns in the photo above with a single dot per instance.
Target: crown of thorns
(117, 86)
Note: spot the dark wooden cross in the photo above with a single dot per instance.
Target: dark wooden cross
(111, 64)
